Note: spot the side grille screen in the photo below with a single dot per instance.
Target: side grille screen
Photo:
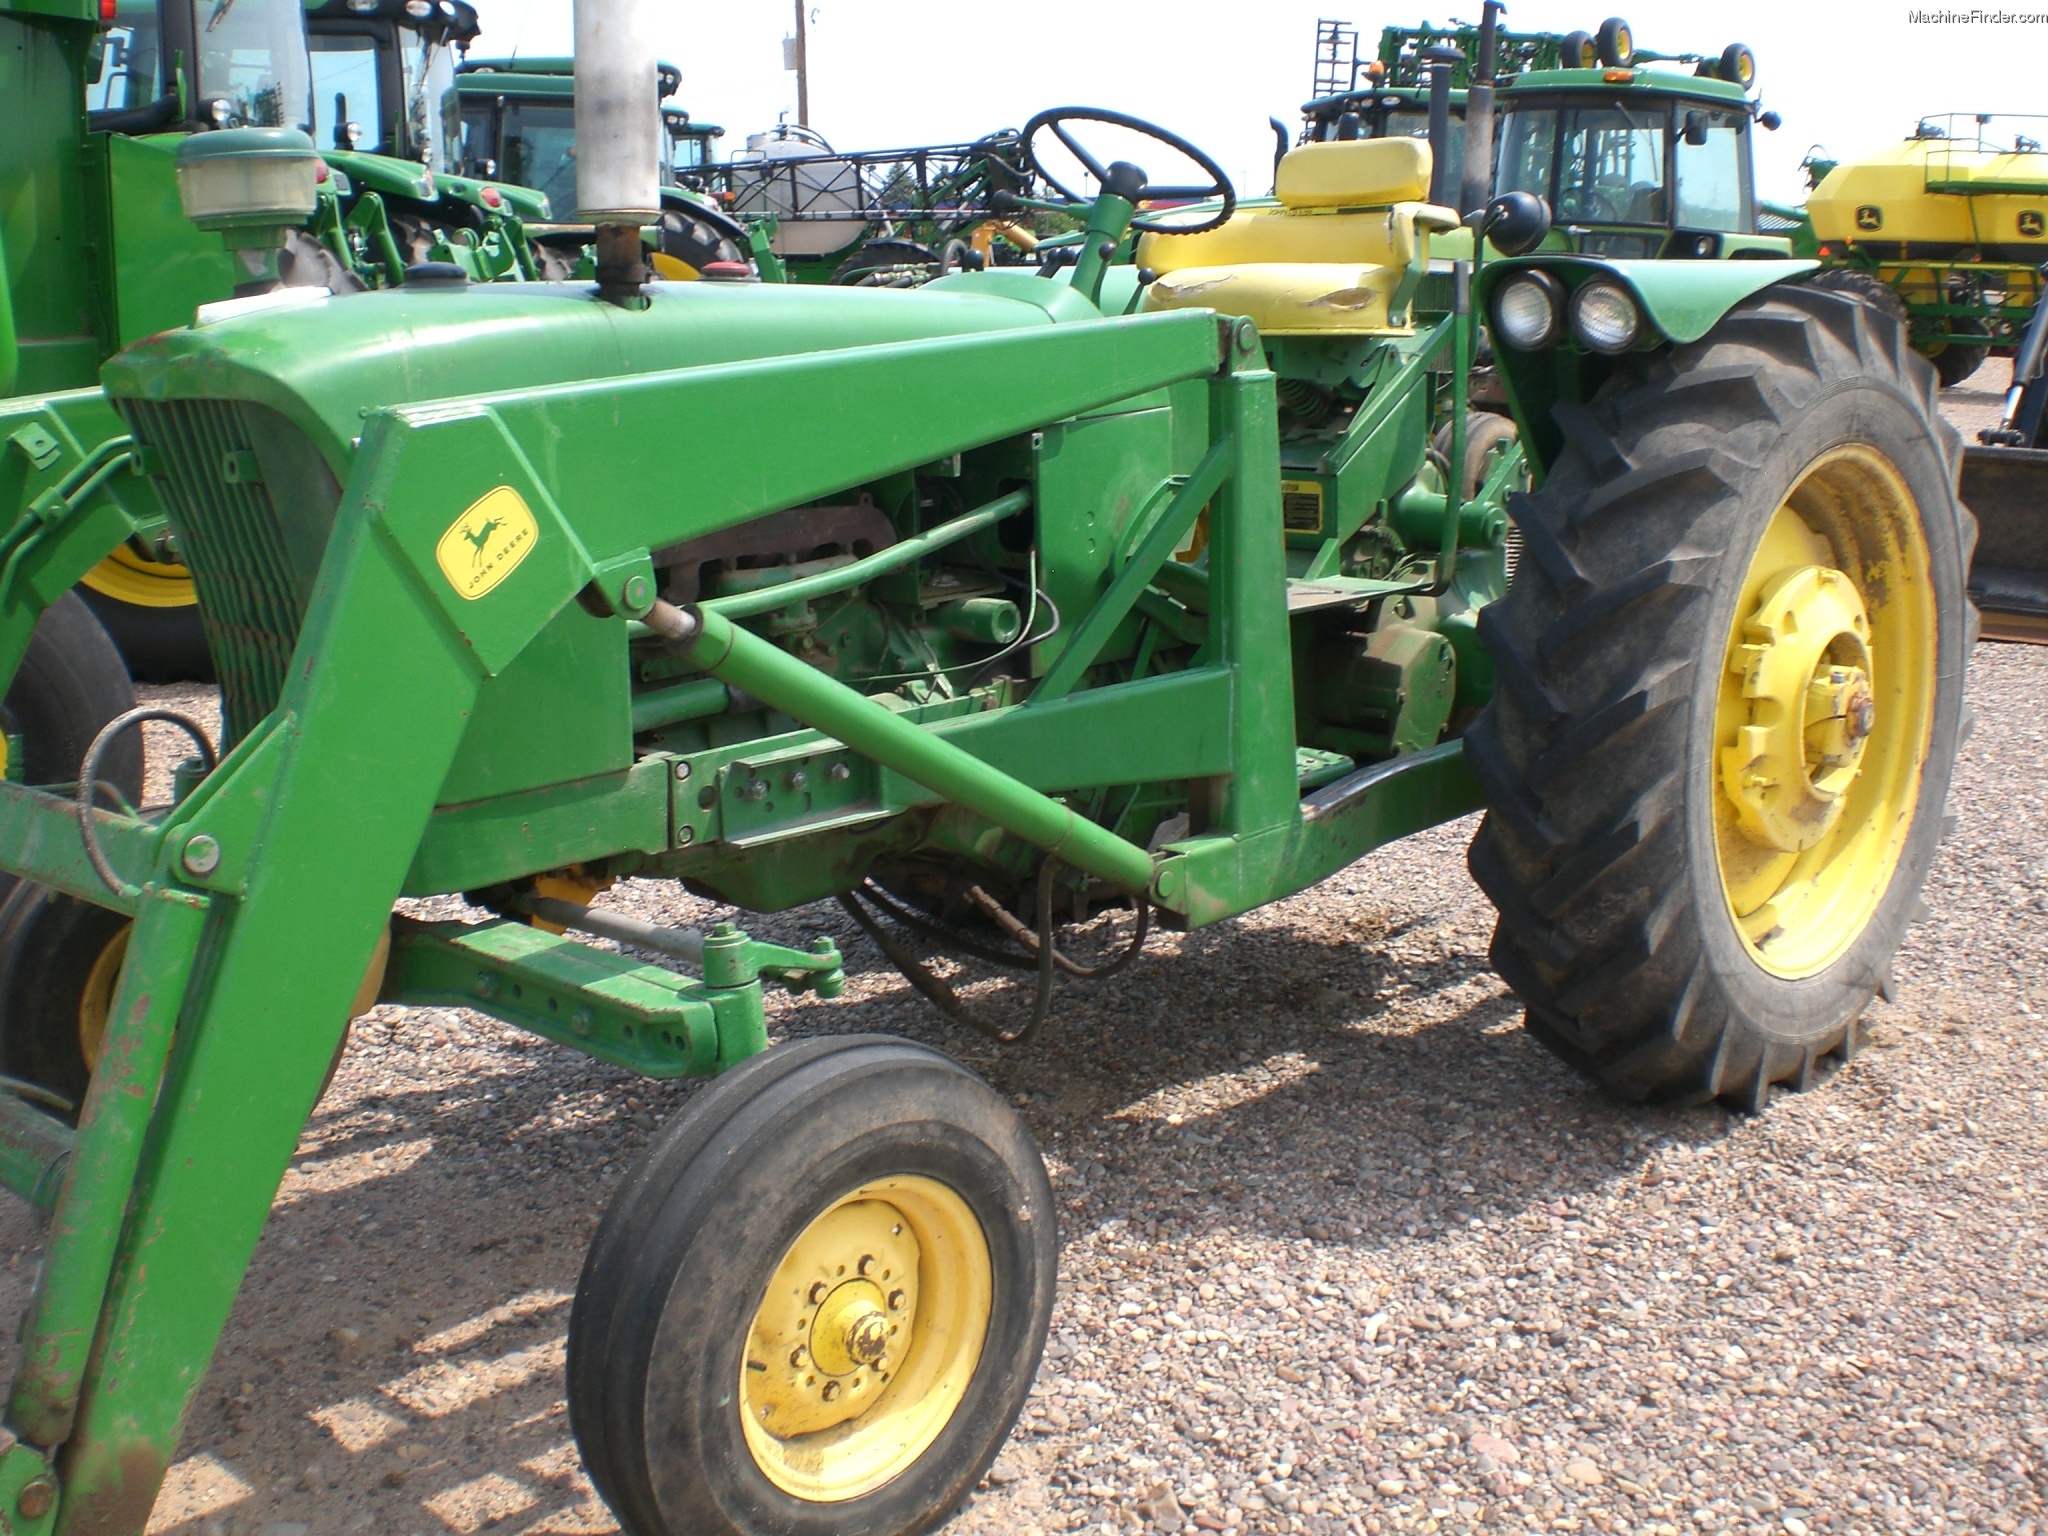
(229, 535)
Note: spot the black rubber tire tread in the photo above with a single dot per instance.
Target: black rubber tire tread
(70, 683)
(1611, 923)
(676, 1270)
(1484, 431)
(1854, 283)
(1955, 363)
(48, 945)
(1608, 41)
(613, 1246)
(160, 645)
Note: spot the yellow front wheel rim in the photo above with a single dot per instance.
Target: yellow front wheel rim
(141, 582)
(866, 1338)
(1825, 713)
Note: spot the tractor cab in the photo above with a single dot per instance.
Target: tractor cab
(1636, 163)
(162, 66)
(380, 69)
(688, 147)
(515, 120)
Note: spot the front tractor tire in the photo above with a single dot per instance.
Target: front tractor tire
(1729, 695)
(817, 1305)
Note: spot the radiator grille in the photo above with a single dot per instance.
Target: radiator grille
(229, 536)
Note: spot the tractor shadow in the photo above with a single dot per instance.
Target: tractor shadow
(1344, 1075)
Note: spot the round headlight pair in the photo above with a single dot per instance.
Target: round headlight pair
(1529, 312)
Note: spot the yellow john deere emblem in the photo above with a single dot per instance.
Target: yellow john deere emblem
(485, 545)
(2032, 223)
(1870, 216)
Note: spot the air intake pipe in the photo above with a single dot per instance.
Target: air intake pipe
(618, 140)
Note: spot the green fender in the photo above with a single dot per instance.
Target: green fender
(523, 203)
(381, 173)
(1681, 301)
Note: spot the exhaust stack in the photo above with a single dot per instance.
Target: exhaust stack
(618, 140)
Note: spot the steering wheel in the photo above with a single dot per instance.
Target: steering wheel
(1057, 118)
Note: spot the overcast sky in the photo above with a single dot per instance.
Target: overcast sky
(1851, 76)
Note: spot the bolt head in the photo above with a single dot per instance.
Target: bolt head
(36, 1498)
(202, 855)
(839, 773)
(831, 1392)
(868, 1339)
(682, 773)
(638, 591)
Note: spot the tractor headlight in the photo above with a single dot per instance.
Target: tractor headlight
(248, 178)
(1527, 309)
(1605, 317)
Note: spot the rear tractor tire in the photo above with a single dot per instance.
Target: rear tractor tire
(60, 960)
(151, 612)
(818, 1304)
(53, 948)
(1729, 694)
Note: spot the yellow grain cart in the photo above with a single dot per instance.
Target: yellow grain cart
(1955, 222)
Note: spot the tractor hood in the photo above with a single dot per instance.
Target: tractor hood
(326, 364)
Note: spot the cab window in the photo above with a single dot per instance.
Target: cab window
(345, 87)
(128, 62)
(1597, 164)
(540, 150)
(1708, 150)
(252, 64)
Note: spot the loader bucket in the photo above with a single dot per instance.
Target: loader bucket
(2008, 490)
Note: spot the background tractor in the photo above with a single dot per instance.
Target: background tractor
(788, 207)
(101, 252)
(1169, 587)
(1388, 95)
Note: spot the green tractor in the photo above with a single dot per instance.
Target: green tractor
(1171, 587)
(1390, 94)
(515, 120)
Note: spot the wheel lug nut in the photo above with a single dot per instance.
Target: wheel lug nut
(818, 1292)
(866, 1262)
(895, 1301)
(831, 1392)
(796, 1356)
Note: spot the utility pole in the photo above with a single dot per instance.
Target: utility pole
(803, 70)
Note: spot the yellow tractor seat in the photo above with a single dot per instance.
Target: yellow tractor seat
(1342, 252)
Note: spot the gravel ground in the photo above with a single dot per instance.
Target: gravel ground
(1343, 1249)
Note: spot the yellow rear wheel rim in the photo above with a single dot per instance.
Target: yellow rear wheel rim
(866, 1339)
(130, 578)
(96, 1001)
(1825, 712)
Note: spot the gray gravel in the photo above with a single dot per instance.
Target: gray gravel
(1343, 1249)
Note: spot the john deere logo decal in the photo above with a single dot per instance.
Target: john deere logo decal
(1870, 216)
(485, 545)
(2033, 224)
